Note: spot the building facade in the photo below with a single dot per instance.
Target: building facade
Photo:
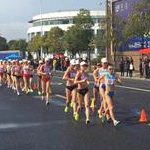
(41, 24)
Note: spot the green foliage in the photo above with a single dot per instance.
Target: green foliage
(79, 36)
(18, 45)
(74, 39)
(84, 19)
(55, 40)
(3, 44)
(138, 24)
(35, 44)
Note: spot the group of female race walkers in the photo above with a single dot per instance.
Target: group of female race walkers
(18, 75)
(77, 90)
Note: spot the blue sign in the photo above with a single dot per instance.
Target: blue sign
(123, 8)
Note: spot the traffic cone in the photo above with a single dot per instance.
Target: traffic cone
(35, 86)
(143, 116)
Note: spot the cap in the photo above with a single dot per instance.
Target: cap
(40, 61)
(83, 63)
(104, 60)
(73, 62)
(46, 59)
(77, 62)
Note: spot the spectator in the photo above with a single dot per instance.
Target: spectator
(146, 66)
(141, 68)
(131, 68)
(127, 64)
(54, 64)
(122, 65)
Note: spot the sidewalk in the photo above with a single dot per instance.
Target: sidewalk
(136, 76)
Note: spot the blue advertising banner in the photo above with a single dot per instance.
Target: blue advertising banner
(123, 8)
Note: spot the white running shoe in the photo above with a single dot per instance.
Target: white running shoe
(47, 103)
(116, 122)
(18, 93)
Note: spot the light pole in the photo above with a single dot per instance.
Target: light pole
(41, 53)
(106, 9)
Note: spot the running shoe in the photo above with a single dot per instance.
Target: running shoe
(18, 93)
(87, 121)
(76, 116)
(116, 122)
(66, 109)
(39, 93)
(47, 103)
(31, 90)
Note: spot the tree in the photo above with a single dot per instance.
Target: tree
(138, 23)
(17, 44)
(75, 39)
(3, 44)
(84, 19)
(35, 44)
(54, 41)
(79, 36)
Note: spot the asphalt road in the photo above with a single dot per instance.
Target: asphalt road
(27, 124)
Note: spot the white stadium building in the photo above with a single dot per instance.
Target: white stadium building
(62, 19)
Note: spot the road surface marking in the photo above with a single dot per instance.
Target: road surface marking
(57, 77)
(61, 96)
(57, 102)
(133, 88)
(56, 83)
(5, 126)
(121, 86)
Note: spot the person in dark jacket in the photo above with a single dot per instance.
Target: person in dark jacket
(127, 63)
(122, 66)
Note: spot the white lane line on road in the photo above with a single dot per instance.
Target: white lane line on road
(57, 77)
(5, 126)
(56, 83)
(133, 88)
(61, 96)
(57, 102)
(125, 87)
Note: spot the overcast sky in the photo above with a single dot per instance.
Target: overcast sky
(15, 14)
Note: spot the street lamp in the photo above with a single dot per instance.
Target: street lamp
(41, 26)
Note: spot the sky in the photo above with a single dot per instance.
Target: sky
(15, 14)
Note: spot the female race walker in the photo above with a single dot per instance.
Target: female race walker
(17, 75)
(46, 73)
(110, 79)
(1, 72)
(97, 74)
(39, 82)
(95, 88)
(26, 76)
(83, 91)
(71, 87)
